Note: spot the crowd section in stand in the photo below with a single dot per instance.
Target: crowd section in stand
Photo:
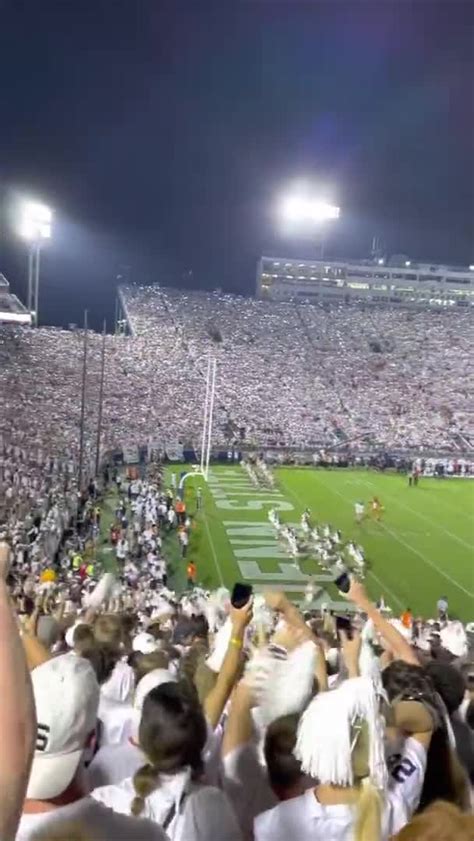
(404, 379)
(135, 712)
(128, 710)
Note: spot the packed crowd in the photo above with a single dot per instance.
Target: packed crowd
(129, 711)
(331, 376)
(404, 381)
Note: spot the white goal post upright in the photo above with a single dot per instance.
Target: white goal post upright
(204, 422)
(209, 400)
(211, 415)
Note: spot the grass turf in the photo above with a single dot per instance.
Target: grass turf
(422, 549)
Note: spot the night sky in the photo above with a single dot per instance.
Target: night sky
(162, 133)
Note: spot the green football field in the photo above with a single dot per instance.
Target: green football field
(422, 549)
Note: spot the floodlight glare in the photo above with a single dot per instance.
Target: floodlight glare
(320, 211)
(300, 209)
(407, 263)
(294, 208)
(471, 268)
(35, 221)
(381, 261)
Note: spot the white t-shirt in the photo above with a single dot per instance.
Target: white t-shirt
(113, 763)
(120, 685)
(115, 722)
(305, 819)
(99, 823)
(203, 814)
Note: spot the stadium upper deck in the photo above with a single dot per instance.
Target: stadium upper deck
(12, 310)
(410, 284)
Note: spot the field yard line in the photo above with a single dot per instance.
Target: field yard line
(369, 572)
(209, 535)
(410, 547)
(385, 589)
(213, 549)
(426, 560)
(423, 517)
(465, 515)
(295, 497)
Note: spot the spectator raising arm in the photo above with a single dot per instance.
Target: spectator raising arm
(297, 626)
(219, 695)
(17, 713)
(401, 649)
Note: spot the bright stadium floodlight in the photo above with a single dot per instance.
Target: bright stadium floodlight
(35, 223)
(301, 211)
(407, 263)
(381, 261)
(471, 267)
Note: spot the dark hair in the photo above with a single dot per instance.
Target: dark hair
(284, 770)
(444, 779)
(103, 660)
(401, 680)
(156, 631)
(172, 735)
(189, 628)
(449, 682)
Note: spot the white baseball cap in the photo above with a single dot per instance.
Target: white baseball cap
(66, 696)
(145, 643)
(145, 685)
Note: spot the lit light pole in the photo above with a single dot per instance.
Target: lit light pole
(299, 211)
(35, 227)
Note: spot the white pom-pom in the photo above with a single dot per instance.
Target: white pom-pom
(282, 685)
(263, 617)
(324, 745)
(102, 592)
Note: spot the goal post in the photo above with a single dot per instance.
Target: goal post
(208, 414)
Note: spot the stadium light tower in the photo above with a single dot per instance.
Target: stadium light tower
(303, 212)
(35, 227)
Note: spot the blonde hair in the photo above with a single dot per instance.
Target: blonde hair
(108, 630)
(368, 821)
(440, 822)
(145, 781)
(145, 663)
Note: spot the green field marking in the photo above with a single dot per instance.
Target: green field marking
(421, 550)
(433, 523)
(398, 567)
(237, 534)
(397, 536)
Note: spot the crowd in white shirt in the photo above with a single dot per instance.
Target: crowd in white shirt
(129, 710)
(181, 717)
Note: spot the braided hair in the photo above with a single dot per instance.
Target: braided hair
(172, 735)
